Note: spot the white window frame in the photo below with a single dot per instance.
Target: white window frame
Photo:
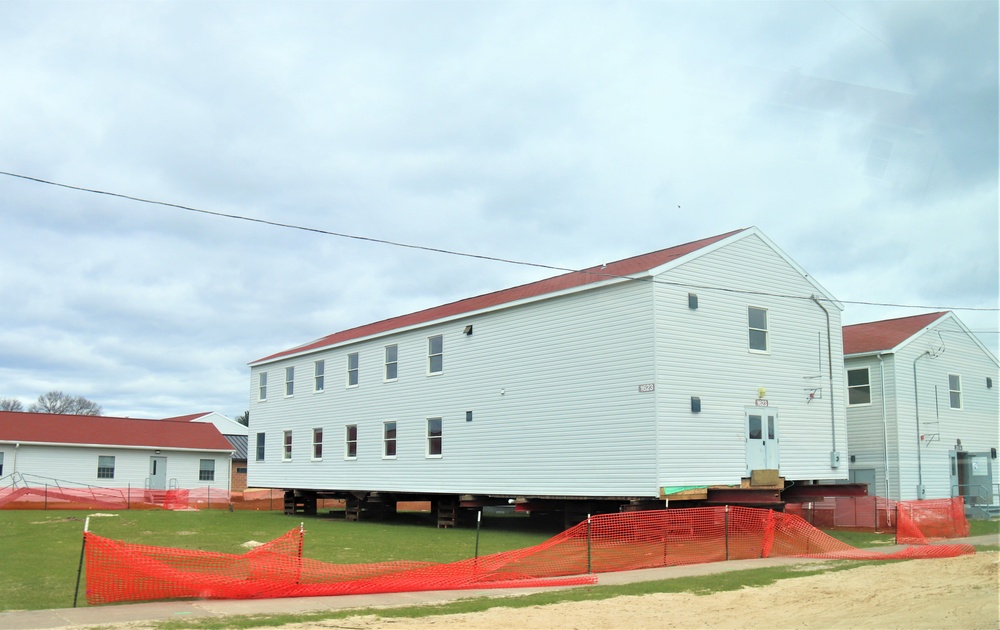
(317, 444)
(103, 471)
(262, 386)
(286, 446)
(953, 392)
(206, 473)
(386, 440)
(348, 442)
(766, 330)
(353, 373)
(867, 384)
(289, 381)
(433, 438)
(394, 364)
(319, 375)
(431, 355)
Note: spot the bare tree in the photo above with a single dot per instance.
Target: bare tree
(11, 404)
(58, 402)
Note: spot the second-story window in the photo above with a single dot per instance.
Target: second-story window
(757, 320)
(435, 354)
(352, 369)
(391, 362)
(955, 391)
(859, 388)
(289, 381)
(319, 375)
(262, 383)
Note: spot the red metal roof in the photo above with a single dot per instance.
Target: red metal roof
(885, 334)
(188, 418)
(67, 429)
(573, 279)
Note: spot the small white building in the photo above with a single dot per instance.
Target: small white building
(923, 419)
(107, 452)
(688, 367)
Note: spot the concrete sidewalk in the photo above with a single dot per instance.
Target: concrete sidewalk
(180, 610)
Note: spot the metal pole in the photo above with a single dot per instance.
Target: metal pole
(479, 520)
(45, 497)
(588, 544)
(79, 569)
(128, 496)
(727, 532)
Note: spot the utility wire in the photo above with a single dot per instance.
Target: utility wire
(438, 250)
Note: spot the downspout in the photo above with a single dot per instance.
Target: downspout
(885, 422)
(829, 359)
(916, 408)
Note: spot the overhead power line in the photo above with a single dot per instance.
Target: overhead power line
(438, 250)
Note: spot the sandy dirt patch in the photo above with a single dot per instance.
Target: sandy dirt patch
(961, 592)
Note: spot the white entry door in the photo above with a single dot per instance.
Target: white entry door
(762, 439)
(157, 473)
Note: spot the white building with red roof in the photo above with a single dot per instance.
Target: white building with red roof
(650, 378)
(75, 452)
(923, 414)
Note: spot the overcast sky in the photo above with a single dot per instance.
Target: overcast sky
(861, 137)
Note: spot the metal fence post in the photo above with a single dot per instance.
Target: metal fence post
(588, 545)
(727, 532)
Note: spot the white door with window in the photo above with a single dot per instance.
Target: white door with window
(157, 473)
(762, 439)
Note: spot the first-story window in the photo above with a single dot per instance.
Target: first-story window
(260, 447)
(352, 369)
(241, 470)
(317, 443)
(434, 437)
(955, 391)
(351, 442)
(289, 381)
(105, 466)
(286, 450)
(435, 354)
(206, 470)
(319, 375)
(389, 439)
(262, 383)
(859, 388)
(757, 324)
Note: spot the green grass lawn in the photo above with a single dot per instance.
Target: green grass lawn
(41, 549)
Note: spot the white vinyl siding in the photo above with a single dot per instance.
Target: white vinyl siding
(554, 389)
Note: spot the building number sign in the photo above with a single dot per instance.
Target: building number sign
(647, 387)
(760, 402)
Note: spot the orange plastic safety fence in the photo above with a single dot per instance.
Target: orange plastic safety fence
(920, 522)
(119, 571)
